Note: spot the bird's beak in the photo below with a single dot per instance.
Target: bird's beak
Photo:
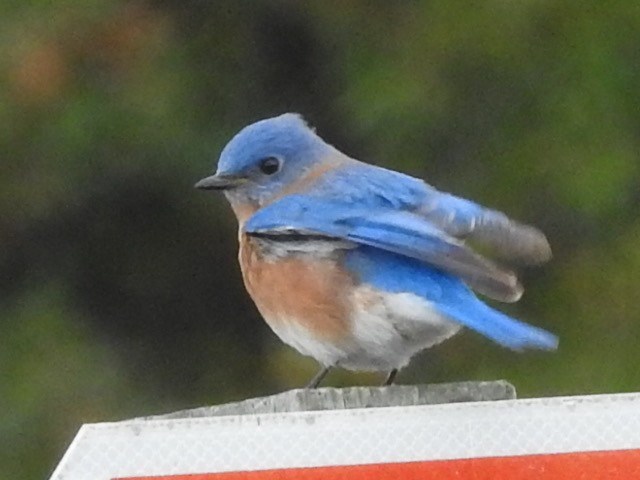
(220, 182)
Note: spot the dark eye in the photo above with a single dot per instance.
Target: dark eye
(269, 165)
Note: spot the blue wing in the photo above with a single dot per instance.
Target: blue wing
(394, 212)
(399, 232)
(371, 186)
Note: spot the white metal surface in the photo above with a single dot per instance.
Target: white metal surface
(352, 437)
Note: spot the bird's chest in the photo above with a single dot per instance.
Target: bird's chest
(298, 294)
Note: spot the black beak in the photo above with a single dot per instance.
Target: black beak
(220, 182)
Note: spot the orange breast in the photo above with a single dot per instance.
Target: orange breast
(311, 292)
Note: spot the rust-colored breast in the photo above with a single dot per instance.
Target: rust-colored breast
(311, 292)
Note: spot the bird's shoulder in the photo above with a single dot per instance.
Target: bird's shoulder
(355, 182)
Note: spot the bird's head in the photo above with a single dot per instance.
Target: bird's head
(264, 158)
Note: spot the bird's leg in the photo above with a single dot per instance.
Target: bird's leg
(390, 378)
(315, 381)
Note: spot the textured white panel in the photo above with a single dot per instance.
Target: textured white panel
(350, 437)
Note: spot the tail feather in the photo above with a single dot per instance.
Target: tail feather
(501, 328)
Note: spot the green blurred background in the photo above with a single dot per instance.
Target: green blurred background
(119, 290)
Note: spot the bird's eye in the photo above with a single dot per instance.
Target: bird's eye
(269, 165)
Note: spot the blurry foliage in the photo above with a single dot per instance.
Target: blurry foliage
(120, 294)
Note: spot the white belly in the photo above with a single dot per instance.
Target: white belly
(390, 328)
(386, 330)
(293, 333)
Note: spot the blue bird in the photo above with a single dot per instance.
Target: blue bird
(361, 267)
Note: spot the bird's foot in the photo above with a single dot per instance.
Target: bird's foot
(390, 377)
(318, 377)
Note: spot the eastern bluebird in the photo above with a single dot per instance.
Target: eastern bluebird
(361, 267)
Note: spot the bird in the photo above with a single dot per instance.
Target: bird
(362, 267)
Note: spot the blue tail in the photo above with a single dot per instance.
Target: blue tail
(394, 273)
(500, 328)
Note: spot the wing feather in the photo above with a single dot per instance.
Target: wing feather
(374, 187)
(403, 233)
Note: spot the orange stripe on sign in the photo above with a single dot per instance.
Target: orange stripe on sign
(618, 464)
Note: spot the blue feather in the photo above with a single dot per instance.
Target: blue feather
(393, 230)
(397, 274)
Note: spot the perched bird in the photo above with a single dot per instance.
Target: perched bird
(361, 267)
